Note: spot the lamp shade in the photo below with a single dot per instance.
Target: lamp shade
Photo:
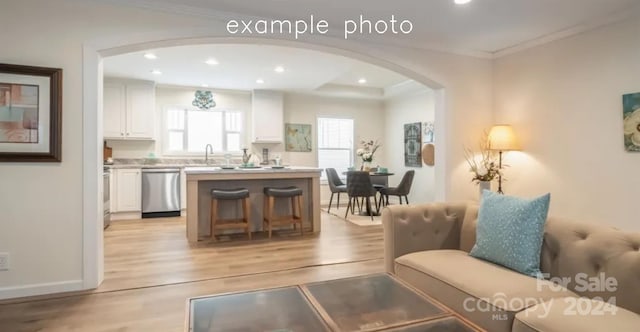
(503, 138)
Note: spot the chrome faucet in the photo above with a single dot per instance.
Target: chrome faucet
(207, 148)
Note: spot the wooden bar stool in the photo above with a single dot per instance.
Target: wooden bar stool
(270, 195)
(230, 195)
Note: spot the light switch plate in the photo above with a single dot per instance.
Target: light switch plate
(4, 261)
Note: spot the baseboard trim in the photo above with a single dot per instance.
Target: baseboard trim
(125, 216)
(41, 289)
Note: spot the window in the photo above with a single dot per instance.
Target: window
(335, 144)
(189, 131)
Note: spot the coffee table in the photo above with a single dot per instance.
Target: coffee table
(376, 302)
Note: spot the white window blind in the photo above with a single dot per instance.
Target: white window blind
(335, 144)
(189, 131)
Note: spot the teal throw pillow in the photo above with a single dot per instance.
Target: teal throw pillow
(510, 231)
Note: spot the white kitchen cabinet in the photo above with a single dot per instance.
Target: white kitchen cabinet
(114, 109)
(267, 117)
(127, 194)
(129, 110)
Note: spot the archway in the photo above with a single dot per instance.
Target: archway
(93, 247)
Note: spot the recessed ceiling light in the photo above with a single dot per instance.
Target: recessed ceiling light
(362, 81)
(150, 56)
(205, 85)
(279, 69)
(259, 81)
(156, 72)
(212, 62)
(461, 2)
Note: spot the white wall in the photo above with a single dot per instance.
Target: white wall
(368, 116)
(565, 102)
(400, 110)
(42, 204)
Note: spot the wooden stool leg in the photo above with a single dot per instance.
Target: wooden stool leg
(293, 212)
(264, 213)
(270, 213)
(247, 215)
(299, 200)
(214, 217)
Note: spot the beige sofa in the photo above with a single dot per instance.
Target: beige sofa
(427, 246)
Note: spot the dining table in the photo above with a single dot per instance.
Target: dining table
(377, 178)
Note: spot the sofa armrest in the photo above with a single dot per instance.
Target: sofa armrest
(412, 228)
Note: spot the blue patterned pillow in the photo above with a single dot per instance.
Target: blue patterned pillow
(510, 231)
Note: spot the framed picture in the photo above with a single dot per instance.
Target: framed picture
(297, 137)
(413, 144)
(427, 132)
(30, 114)
(631, 120)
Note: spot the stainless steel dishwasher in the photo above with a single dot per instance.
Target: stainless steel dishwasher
(160, 192)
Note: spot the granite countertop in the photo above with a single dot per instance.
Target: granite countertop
(172, 165)
(165, 163)
(265, 169)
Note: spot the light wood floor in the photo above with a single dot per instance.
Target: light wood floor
(150, 271)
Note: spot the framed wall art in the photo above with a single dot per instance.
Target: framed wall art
(413, 144)
(30, 114)
(427, 132)
(631, 120)
(297, 137)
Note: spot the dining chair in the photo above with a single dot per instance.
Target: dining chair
(359, 186)
(402, 190)
(335, 185)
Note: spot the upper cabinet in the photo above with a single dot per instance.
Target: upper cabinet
(129, 110)
(267, 117)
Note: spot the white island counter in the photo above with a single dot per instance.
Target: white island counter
(200, 181)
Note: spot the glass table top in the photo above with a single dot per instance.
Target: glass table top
(369, 303)
(281, 310)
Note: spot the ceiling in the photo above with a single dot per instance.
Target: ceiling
(483, 28)
(238, 68)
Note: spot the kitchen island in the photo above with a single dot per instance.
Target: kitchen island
(200, 181)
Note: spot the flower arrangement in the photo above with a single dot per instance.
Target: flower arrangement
(487, 168)
(367, 150)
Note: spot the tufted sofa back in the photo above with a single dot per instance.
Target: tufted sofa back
(581, 253)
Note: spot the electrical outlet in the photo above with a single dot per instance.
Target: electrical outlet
(4, 261)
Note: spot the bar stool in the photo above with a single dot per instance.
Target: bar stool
(230, 195)
(270, 195)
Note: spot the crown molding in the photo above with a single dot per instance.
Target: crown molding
(572, 31)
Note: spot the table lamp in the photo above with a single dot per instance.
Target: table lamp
(502, 138)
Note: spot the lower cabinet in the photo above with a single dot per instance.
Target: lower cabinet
(127, 196)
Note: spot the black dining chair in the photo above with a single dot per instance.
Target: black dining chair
(359, 186)
(402, 190)
(335, 185)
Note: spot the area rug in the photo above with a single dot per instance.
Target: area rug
(354, 218)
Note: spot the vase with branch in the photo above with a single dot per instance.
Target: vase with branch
(366, 152)
(483, 165)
